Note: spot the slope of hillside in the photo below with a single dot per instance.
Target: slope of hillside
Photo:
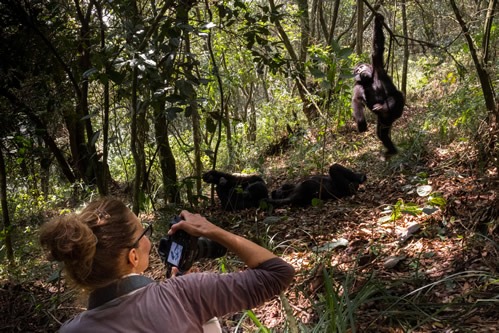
(418, 244)
(415, 249)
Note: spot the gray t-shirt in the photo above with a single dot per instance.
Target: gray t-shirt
(184, 303)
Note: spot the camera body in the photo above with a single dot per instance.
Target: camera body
(181, 250)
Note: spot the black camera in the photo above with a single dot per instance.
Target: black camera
(182, 250)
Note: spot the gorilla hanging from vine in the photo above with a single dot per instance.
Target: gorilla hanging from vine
(375, 89)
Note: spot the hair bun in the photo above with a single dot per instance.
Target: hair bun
(69, 240)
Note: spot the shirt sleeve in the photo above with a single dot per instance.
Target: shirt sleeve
(213, 294)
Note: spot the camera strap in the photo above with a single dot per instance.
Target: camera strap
(116, 289)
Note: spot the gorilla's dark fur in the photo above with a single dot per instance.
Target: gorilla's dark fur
(235, 191)
(375, 89)
(283, 191)
(341, 182)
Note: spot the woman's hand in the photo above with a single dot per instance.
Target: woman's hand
(194, 224)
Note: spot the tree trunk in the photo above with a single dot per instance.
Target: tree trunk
(228, 132)
(250, 112)
(45, 163)
(406, 49)
(483, 75)
(360, 27)
(5, 211)
(309, 109)
(315, 21)
(92, 171)
(167, 162)
(138, 121)
(137, 144)
(105, 175)
(40, 126)
(334, 19)
(304, 30)
(197, 138)
(183, 18)
(487, 29)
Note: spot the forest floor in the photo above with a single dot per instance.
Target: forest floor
(432, 268)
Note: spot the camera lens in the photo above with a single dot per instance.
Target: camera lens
(209, 249)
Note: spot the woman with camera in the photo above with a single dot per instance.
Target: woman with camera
(105, 249)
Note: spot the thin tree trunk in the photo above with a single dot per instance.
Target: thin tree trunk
(222, 98)
(104, 174)
(334, 19)
(138, 122)
(250, 113)
(309, 108)
(304, 29)
(93, 174)
(49, 141)
(45, 163)
(483, 75)
(406, 48)
(360, 27)
(197, 138)
(487, 31)
(7, 227)
(167, 162)
(137, 147)
(315, 21)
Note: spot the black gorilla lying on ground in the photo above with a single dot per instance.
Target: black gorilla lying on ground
(237, 191)
(341, 182)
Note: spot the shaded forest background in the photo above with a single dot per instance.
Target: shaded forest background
(136, 99)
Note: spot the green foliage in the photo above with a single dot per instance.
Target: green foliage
(395, 212)
(456, 105)
(398, 209)
(28, 262)
(413, 310)
(436, 199)
(331, 69)
(256, 321)
(339, 303)
(316, 202)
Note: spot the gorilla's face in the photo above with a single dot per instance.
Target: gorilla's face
(363, 73)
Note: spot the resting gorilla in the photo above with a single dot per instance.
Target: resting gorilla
(375, 89)
(284, 190)
(237, 192)
(341, 182)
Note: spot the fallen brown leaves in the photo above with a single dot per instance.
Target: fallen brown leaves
(437, 267)
(433, 267)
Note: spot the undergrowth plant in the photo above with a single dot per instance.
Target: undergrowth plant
(341, 300)
(414, 310)
(268, 241)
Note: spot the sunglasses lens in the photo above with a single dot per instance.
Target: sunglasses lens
(148, 230)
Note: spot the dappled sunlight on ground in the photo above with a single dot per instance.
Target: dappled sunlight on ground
(443, 262)
(425, 260)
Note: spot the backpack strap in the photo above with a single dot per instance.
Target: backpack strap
(116, 289)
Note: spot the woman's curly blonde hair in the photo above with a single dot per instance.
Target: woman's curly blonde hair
(93, 244)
